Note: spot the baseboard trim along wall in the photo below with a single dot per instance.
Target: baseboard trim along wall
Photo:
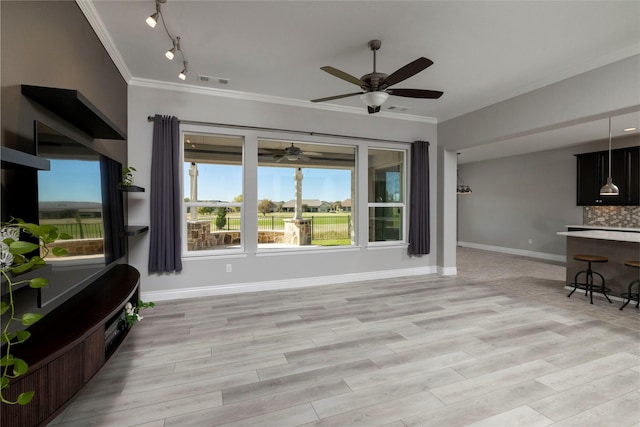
(512, 251)
(236, 288)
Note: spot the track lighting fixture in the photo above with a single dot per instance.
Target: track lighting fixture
(175, 41)
(171, 52)
(183, 73)
(152, 20)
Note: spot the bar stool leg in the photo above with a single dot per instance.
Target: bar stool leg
(630, 294)
(604, 288)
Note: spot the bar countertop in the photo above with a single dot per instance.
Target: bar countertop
(620, 236)
(603, 227)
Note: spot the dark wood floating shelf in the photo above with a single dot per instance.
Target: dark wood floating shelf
(134, 230)
(72, 106)
(131, 189)
(14, 159)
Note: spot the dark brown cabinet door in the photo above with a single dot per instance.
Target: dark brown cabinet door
(632, 162)
(592, 173)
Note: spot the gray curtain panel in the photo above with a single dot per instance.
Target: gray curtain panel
(112, 209)
(419, 233)
(164, 225)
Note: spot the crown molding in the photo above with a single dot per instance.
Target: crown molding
(89, 11)
(246, 96)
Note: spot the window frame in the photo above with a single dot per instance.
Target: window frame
(404, 195)
(187, 254)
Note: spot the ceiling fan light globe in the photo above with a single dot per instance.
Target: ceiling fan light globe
(374, 99)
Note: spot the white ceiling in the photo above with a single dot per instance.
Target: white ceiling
(483, 51)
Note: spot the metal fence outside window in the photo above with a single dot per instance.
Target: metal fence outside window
(325, 227)
(81, 231)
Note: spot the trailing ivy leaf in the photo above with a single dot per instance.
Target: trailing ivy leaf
(65, 236)
(25, 397)
(4, 383)
(30, 318)
(38, 282)
(6, 360)
(4, 307)
(33, 229)
(22, 336)
(6, 337)
(57, 251)
(22, 247)
(20, 367)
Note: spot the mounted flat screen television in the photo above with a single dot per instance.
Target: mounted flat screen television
(79, 195)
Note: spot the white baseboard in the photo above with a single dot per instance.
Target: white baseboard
(448, 271)
(204, 291)
(512, 251)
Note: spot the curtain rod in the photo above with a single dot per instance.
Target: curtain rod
(298, 132)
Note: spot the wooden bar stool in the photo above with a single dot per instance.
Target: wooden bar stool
(588, 284)
(630, 295)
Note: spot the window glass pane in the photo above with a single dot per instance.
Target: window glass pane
(304, 194)
(213, 191)
(386, 195)
(386, 176)
(385, 223)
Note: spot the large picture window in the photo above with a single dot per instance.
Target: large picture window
(305, 193)
(386, 198)
(212, 176)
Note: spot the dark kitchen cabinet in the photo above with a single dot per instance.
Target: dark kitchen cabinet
(592, 173)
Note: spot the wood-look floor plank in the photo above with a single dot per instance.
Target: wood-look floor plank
(500, 344)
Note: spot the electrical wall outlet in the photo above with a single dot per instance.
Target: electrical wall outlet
(531, 241)
(229, 268)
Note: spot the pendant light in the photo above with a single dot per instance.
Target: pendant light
(609, 189)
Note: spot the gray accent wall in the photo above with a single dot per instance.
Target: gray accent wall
(256, 269)
(50, 43)
(518, 198)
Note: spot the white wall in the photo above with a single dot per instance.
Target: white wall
(256, 270)
(519, 198)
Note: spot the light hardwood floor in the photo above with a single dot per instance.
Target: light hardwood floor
(498, 345)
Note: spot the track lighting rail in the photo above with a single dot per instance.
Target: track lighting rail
(151, 21)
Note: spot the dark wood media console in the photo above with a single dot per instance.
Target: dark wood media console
(68, 347)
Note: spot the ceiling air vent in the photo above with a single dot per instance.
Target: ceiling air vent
(218, 80)
(397, 107)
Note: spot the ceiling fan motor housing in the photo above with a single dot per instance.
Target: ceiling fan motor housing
(373, 81)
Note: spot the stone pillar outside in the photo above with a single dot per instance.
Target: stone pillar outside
(297, 232)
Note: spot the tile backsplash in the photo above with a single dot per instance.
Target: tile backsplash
(612, 216)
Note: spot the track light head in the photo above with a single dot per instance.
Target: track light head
(183, 73)
(152, 20)
(171, 52)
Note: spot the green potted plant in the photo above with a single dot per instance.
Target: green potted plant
(127, 176)
(14, 261)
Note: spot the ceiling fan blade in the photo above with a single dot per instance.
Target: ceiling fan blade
(329, 98)
(407, 71)
(373, 110)
(416, 93)
(342, 75)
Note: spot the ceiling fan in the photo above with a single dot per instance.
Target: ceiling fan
(375, 86)
(291, 153)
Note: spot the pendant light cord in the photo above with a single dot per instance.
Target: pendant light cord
(609, 147)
